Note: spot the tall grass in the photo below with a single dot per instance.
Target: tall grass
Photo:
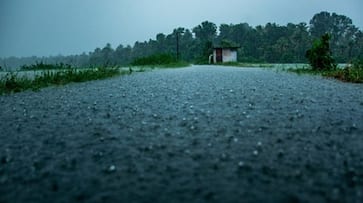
(11, 82)
(44, 66)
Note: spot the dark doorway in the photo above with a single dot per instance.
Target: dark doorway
(219, 57)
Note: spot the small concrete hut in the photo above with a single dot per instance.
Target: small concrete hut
(224, 54)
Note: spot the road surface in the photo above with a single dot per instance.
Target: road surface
(197, 134)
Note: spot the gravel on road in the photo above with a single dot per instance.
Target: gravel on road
(196, 134)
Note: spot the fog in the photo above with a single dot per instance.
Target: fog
(43, 27)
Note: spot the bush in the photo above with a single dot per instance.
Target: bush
(358, 64)
(351, 73)
(320, 56)
(348, 74)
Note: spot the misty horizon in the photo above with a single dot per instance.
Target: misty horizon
(114, 46)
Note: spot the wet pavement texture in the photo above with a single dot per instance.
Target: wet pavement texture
(197, 134)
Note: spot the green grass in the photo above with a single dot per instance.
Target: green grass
(353, 74)
(11, 82)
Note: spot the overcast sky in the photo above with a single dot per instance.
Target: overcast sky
(52, 27)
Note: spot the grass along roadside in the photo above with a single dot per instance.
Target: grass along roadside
(11, 82)
(350, 73)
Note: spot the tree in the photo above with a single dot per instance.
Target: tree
(205, 35)
(357, 49)
(160, 40)
(320, 24)
(343, 33)
(178, 33)
(122, 55)
(107, 55)
(96, 58)
(187, 45)
(207, 31)
(300, 41)
(319, 56)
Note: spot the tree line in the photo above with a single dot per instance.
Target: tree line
(271, 43)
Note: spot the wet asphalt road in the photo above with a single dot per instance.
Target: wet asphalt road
(197, 134)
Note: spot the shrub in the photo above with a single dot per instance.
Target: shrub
(348, 74)
(11, 82)
(353, 73)
(320, 56)
(358, 63)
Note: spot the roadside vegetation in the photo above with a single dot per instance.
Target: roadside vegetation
(160, 61)
(44, 75)
(12, 82)
(322, 63)
(44, 66)
(350, 73)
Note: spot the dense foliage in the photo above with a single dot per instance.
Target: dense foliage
(353, 73)
(319, 56)
(270, 43)
(155, 60)
(350, 73)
